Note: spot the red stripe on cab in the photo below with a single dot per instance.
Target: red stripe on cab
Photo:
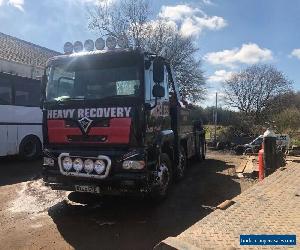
(118, 132)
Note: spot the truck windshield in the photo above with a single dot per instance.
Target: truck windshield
(84, 83)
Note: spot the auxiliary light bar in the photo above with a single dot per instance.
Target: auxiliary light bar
(89, 45)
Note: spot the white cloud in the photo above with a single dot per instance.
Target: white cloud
(249, 53)
(17, 3)
(90, 2)
(177, 12)
(208, 2)
(296, 53)
(194, 26)
(95, 2)
(220, 76)
(191, 21)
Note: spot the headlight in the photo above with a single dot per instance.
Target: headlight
(67, 163)
(88, 166)
(78, 46)
(122, 42)
(48, 161)
(89, 45)
(68, 48)
(100, 44)
(99, 166)
(78, 164)
(111, 42)
(133, 164)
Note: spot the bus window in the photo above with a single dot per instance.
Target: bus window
(5, 94)
(27, 93)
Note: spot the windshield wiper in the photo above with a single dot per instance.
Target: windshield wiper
(70, 98)
(62, 99)
(115, 96)
(65, 99)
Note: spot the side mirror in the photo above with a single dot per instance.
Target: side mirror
(158, 91)
(158, 70)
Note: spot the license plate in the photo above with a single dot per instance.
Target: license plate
(87, 189)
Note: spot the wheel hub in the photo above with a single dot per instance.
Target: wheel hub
(163, 175)
(30, 149)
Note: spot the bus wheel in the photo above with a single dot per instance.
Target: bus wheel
(164, 179)
(182, 164)
(30, 148)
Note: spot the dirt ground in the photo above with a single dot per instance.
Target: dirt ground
(34, 217)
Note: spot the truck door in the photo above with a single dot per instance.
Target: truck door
(159, 116)
(162, 109)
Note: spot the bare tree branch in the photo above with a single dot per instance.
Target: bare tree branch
(132, 19)
(252, 89)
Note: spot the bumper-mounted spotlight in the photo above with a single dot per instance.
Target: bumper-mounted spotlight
(111, 42)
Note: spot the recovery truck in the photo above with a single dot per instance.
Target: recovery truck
(113, 124)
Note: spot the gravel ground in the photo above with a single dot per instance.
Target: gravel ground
(33, 216)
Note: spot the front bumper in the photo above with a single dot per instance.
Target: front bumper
(118, 184)
(118, 181)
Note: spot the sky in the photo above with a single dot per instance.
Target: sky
(230, 34)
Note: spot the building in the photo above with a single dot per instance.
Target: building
(21, 58)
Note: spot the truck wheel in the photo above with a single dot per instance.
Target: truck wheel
(182, 164)
(30, 148)
(248, 151)
(164, 178)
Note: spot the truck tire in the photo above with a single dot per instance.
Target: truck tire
(30, 148)
(160, 191)
(182, 165)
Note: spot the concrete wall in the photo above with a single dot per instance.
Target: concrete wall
(19, 69)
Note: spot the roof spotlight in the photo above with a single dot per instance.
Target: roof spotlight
(78, 46)
(123, 42)
(111, 42)
(68, 48)
(89, 45)
(100, 44)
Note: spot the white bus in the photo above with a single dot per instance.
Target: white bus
(20, 116)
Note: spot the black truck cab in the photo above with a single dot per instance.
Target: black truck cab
(113, 123)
